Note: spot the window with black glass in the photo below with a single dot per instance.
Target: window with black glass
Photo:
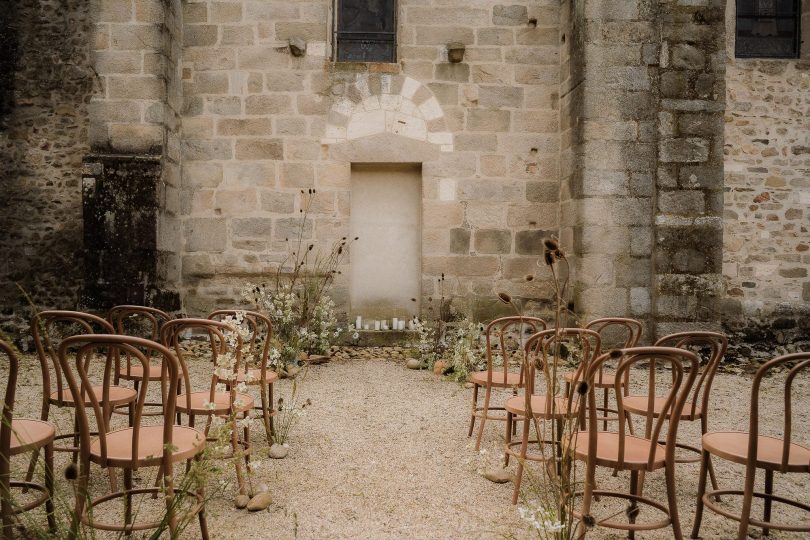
(366, 31)
(768, 29)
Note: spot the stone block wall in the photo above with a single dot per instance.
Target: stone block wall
(261, 125)
(46, 83)
(766, 247)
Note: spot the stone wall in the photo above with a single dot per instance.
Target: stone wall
(46, 83)
(260, 125)
(766, 248)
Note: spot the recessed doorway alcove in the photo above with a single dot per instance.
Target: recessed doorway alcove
(385, 275)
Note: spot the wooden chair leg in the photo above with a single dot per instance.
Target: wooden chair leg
(29, 475)
(508, 438)
(768, 491)
(472, 413)
(484, 415)
(128, 500)
(201, 515)
(49, 488)
(605, 407)
(748, 497)
(266, 412)
(270, 410)
(632, 511)
(672, 500)
(704, 460)
(713, 479)
(524, 446)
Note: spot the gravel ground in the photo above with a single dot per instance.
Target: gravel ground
(383, 453)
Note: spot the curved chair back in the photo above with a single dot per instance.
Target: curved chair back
(122, 318)
(43, 325)
(5, 442)
(618, 333)
(794, 364)
(225, 357)
(544, 350)
(260, 328)
(716, 344)
(497, 333)
(86, 363)
(674, 399)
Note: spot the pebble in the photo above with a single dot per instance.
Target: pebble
(413, 363)
(260, 502)
(278, 451)
(469, 385)
(499, 476)
(241, 501)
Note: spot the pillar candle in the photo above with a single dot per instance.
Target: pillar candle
(376, 325)
(358, 323)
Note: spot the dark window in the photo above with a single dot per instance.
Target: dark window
(366, 31)
(767, 29)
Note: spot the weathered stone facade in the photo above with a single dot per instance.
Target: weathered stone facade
(598, 121)
(766, 248)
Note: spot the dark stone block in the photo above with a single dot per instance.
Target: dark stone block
(531, 242)
(460, 241)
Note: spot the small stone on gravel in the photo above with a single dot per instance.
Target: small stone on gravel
(499, 476)
(260, 502)
(278, 451)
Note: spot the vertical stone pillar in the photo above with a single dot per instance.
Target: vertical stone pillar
(689, 179)
(609, 129)
(642, 144)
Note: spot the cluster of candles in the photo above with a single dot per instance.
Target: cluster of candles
(385, 324)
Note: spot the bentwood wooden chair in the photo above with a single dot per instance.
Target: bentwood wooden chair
(755, 451)
(621, 451)
(709, 345)
(18, 435)
(139, 321)
(547, 410)
(255, 353)
(138, 446)
(504, 336)
(48, 328)
(616, 333)
(225, 346)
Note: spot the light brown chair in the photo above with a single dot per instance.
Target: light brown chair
(493, 377)
(620, 451)
(154, 445)
(43, 325)
(549, 406)
(18, 435)
(123, 318)
(256, 349)
(697, 404)
(756, 451)
(616, 333)
(209, 403)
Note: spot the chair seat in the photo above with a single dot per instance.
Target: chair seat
(636, 450)
(28, 434)
(517, 405)
(222, 402)
(498, 379)
(119, 395)
(136, 372)
(733, 446)
(640, 405)
(256, 376)
(607, 380)
(186, 443)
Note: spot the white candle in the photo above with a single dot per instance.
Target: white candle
(358, 323)
(376, 325)
(395, 323)
(402, 325)
(365, 327)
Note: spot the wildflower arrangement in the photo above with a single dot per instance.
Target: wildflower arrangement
(296, 299)
(433, 339)
(289, 413)
(548, 497)
(467, 352)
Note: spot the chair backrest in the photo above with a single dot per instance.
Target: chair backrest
(5, 440)
(543, 347)
(87, 361)
(497, 334)
(716, 345)
(153, 317)
(44, 324)
(225, 344)
(679, 386)
(616, 333)
(793, 364)
(260, 328)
